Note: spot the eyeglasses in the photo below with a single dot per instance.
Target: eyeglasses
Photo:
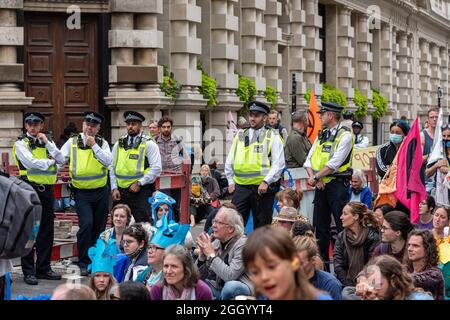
(126, 243)
(445, 126)
(153, 248)
(220, 222)
(422, 203)
(113, 297)
(384, 228)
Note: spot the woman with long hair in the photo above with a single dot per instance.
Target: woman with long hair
(355, 244)
(387, 279)
(394, 233)
(271, 258)
(121, 218)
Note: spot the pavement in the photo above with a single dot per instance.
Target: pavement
(66, 269)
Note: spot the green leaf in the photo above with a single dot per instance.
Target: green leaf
(271, 95)
(360, 101)
(380, 103)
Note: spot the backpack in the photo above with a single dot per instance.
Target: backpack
(20, 216)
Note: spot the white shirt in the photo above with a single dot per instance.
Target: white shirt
(154, 160)
(103, 154)
(343, 150)
(25, 156)
(363, 142)
(276, 158)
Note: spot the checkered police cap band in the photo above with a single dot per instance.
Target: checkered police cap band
(91, 116)
(32, 118)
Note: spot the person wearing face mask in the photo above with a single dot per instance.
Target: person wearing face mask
(358, 190)
(386, 153)
(134, 242)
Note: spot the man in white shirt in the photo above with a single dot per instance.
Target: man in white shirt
(135, 167)
(89, 157)
(33, 153)
(328, 166)
(254, 166)
(361, 141)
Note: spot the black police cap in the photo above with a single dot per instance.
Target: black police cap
(258, 107)
(93, 117)
(330, 106)
(357, 124)
(133, 116)
(33, 117)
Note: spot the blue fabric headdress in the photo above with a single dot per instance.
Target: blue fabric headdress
(103, 256)
(159, 199)
(170, 233)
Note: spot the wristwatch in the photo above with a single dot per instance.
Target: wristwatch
(211, 257)
(315, 178)
(139, 183)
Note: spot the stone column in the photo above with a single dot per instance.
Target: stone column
(134, 73)
(12, 99)
(425, 73)
(444, 76)
(296, 46)
(253, 32)
(273, 36)
(345, 55)
(435, 66)
(385, 61)
(185, 47)
(405, 76)
(219, 57)
(364, 57)
(313, 47)
(395, 66)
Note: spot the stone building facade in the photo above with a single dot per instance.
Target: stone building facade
(62, 57)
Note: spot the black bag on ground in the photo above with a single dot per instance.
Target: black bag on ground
(20, 216)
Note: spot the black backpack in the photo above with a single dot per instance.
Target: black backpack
(20, 216)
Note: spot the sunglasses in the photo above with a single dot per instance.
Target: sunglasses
(445, 126)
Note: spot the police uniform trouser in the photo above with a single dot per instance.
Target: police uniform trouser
(329, 201)
(246, 198)
(44, 240)
(138, 202)
(92, 211)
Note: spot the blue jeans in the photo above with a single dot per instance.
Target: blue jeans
(230, 290)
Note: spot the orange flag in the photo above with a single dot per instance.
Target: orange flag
(315, 124)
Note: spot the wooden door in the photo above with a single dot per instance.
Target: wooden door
(61, 68)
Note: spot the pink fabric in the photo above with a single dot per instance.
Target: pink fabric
(410, 189)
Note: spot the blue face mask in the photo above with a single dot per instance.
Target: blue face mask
(395, 138)
(447, 143)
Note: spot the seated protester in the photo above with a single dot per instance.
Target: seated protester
(181, 279)
(130, 290)
(440, 221)
(380, 211)
(164, 237)
(121, 218)
(303, 228)
(396, 283)
(220, 257)
(308, 252)
(426, 210)
(103, 257)
(134, 242)
(286, 218)
(272, 261)
(289, 198)
(162, 206)
(394, 233)
(422, 263)
(68, 291)
(208, 224)
(202, 204)
(359, 191)
(355, 244)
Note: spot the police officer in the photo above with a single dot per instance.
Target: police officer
(328, 166)
(361, 141)
(254, 165)
(136, 165)
(33, 153)
(89, 157)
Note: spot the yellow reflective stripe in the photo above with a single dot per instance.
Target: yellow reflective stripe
(74, 168)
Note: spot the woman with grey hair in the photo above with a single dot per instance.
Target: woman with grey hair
(181, 278)
(358, 190)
